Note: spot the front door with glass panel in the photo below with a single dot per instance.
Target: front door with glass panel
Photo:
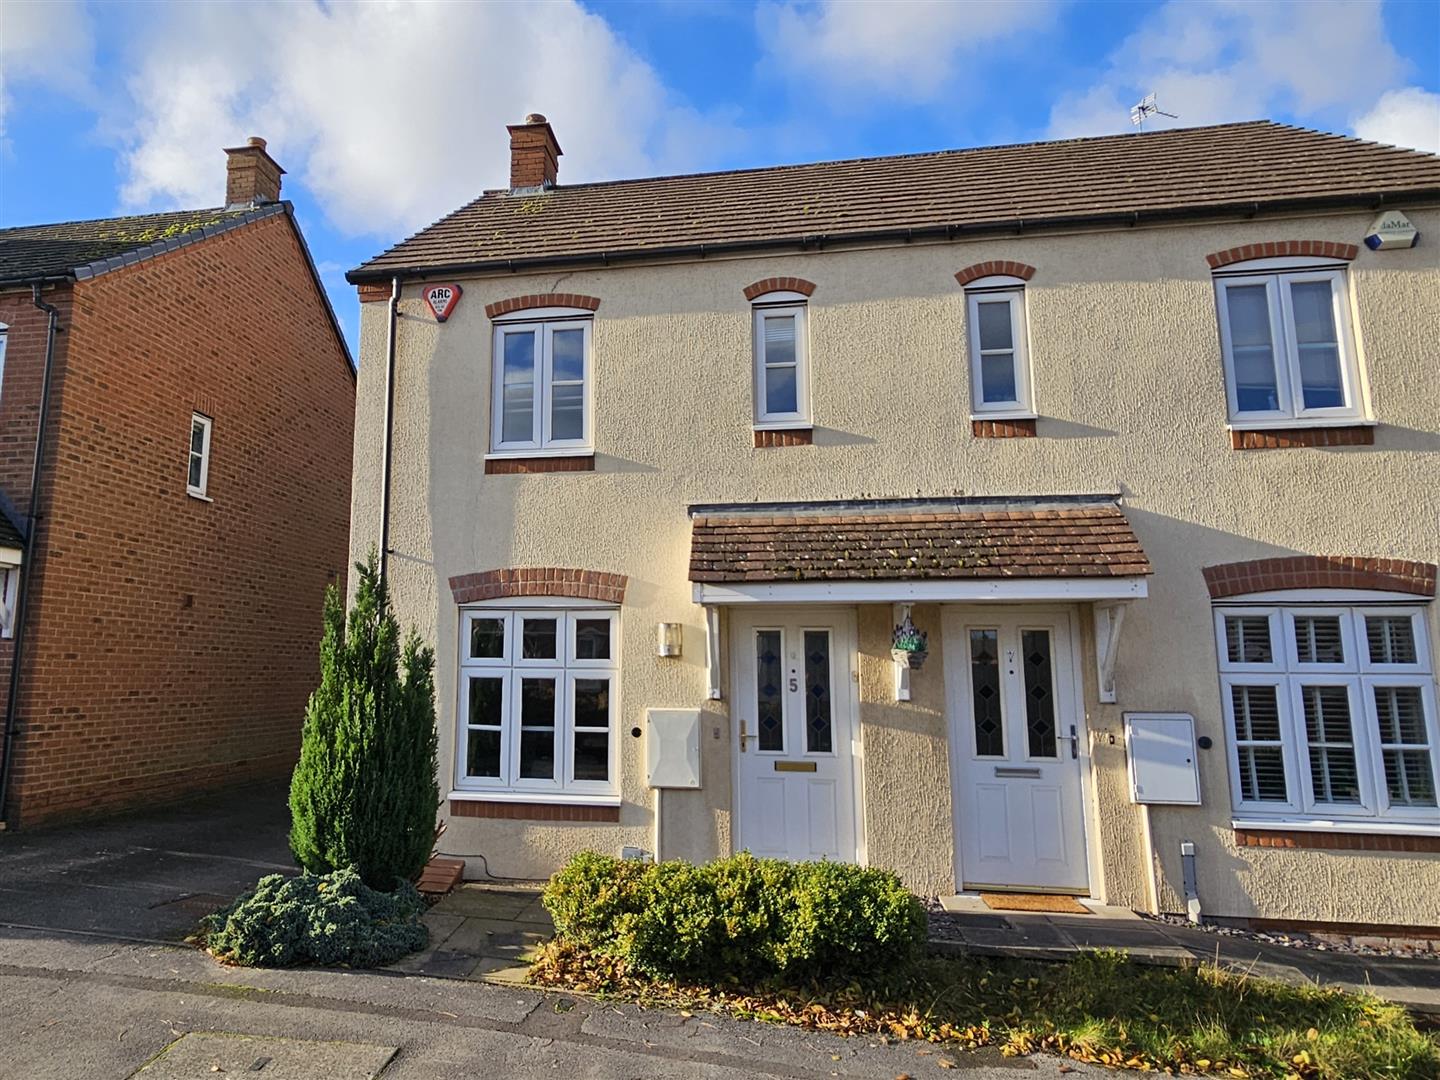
(795, 792)
(1015, 727)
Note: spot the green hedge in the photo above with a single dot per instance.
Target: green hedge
(328, 919)
(742, 917)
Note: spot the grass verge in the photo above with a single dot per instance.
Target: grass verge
(1099, 1007)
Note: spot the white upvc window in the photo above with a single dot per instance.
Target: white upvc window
(198, 477)
(537, 701)
(999, 352)
(1330, 713)
(782, 361)
(4, 337)
(1288, 345)
(9, 590)
(542, 390)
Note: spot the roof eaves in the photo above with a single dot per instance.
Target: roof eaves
(161, 247)
(952, 503)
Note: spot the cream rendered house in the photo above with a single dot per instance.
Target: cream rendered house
(1137, 431)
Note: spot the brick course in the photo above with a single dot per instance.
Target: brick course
(993, 268)
(540, 300)
(542, 464)
(1002, 429)
(1276, 249)
(539, 581)
(1335, 841)
(1320, 572)
(174, 641)
(792, 437)
(779, 284)
(513, 811)
(1290, 438)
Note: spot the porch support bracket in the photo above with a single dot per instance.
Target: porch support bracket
(712, 652)
(1109, 618)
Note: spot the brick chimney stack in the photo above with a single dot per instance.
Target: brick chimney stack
(534, 154)
(252, 177)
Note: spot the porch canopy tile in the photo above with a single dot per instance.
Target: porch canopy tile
(1059, 537)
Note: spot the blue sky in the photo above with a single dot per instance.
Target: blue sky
(389, 114)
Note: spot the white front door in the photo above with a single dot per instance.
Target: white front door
(794, 721)
(1015, 729)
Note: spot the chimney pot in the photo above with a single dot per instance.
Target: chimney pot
(534, 154)
(252, 176)
(256, 140)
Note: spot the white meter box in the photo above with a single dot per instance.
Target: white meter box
(672, 748)
(1161, 751)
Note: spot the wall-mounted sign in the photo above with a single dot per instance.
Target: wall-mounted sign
(1392, 229)
(442, 300)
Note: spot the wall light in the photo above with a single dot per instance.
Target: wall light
(670, 636)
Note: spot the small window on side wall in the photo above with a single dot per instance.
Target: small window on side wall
(199, 474)
(782, 361)
(999, 353)
(1287, 343)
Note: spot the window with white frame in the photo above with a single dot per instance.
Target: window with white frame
(782, 361)
(999, 356)
(4, 337)
(199, 469)
(1286, 336)
(9, 587)
(1330, 712)
(537, 701)
(542, 392)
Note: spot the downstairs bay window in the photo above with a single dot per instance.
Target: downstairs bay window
(1330, 714)
(537, 702)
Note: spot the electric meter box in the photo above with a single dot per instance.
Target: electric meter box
(1161, 751)
(672, 748)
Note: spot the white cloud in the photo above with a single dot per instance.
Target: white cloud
(908, 50)
(393, 114)
(1240, 60)
(1409, 117)
(47, 42)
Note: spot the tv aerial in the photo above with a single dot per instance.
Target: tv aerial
(1147, 108)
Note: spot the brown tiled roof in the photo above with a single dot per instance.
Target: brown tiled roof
(1120, 178)
(1074, 541)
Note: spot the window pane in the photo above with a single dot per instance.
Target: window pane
(1252, 348)
(592, 703)
(779, 339)
(997, 378)
(1257, 720)
(769, 697)
(537, 639)
(1409, 777)
(567, 411)
(780, 392)
(1247, 639)
(194, 471)
(567, 355)
(592, 639)
(993, 317)
(482, 753)
(592, 755)
(1313, 305)
(518, 387)
(537, 729)
(592, 710)
(1333, 775)
(487, 704)
(1039, 693)
(197, 438)
(985, 693)
(487, 639)
(817, 692)
(1317, 639)
(1390, 639)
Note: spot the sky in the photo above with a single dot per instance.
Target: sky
(387, 115)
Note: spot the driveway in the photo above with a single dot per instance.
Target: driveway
(147, 876)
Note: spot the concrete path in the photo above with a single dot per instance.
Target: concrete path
(482, 932)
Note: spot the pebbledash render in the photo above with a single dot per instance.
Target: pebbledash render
(1138, 432)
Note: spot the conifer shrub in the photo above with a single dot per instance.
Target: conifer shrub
(364, 793)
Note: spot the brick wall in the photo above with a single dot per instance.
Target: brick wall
(175, 640)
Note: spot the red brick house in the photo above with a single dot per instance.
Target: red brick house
(186, 387)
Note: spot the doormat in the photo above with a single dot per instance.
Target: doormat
(1056, 905)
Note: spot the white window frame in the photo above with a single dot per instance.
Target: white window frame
(767, 306)
(565, 669)
(9, 590)
(1360, 676)
(543, 322)
(4, 339)
(1276, 275)
(991, 289)
(207, 425)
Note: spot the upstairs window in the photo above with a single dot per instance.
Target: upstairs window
(782, 363)
(1286, 337)
(199, 474)
(4, 335)
(999, 358)
(542, 385)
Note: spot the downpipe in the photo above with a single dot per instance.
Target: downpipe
(388, 445)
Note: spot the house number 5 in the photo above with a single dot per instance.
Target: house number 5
(794, 684)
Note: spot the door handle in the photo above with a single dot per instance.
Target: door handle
(1074, 742)
(744, 735)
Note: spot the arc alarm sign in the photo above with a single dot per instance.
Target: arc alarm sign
(442, 300)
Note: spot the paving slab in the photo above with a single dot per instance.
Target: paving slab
(198, 1053)
(486, 902)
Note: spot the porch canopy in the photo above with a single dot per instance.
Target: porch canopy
(1046, 548)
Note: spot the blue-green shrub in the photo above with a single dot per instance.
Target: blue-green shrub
(327, 919)
(741, 916)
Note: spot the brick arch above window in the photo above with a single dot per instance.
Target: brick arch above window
(1280, 249)
(540, 300)
(539, 581)
(1320, 572)
(994, 268)
(779, 284)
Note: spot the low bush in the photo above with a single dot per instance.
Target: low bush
(328, 919)
(739, 918)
